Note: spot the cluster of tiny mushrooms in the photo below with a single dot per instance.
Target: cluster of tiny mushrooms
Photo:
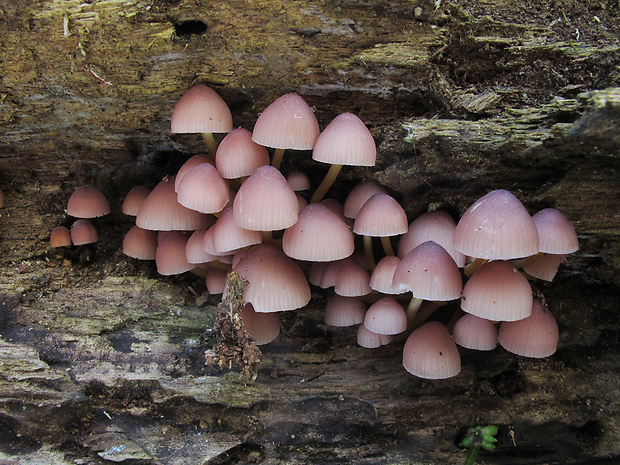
(220, 211)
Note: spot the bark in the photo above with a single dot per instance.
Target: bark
(103, 360)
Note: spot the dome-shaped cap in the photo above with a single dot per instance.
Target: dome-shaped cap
(386, 316)
(475, 333)
(437, 226)
(216, 280)
(288, 123)
(381, 279)
(348, 276)
(496, 227)
(228, 237)
(497, 292)
(201, 110)
(238, 155)
(556, 233)
(381, 216)
(359, 195)
(160, 211)
(134, 198)
(299, 181)
(194, 250)
(431, 353)
(83, 232)
(369, 340)
(87, 202)
(344, 311)
(170, 254)
(545, 267)
(275, 282)
(265, 202)
(192, 162)
(535, 336)
(60, 236)
(203, 189)
(140, 243)
(261, 327)
(319, 235)
(345, 141)
(430, 273)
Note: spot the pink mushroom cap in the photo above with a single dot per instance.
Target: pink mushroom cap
(430, 353)
(275, 282)
(535, 336)
(345, 141)
(497, 292)
(265, 202)
(287, 123)
(319, 235)
(430, 273)
(386, 316)
(201, 110)
(87, 202)
(496, 227)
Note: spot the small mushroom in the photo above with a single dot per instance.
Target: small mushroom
(345, 141)
(287, 123)
(430, 352)
(535, 336)
(83, 232)
(60, 237)
(202, 110)
(87, 202)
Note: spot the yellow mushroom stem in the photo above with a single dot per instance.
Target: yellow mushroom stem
(201, 272)
(220, 265)
(417, 311)
(277, 158)
(526, 261)
(474, 266)
(370, 257)
(209, 141)
(329, 179)
(387, 245)
(426, 311)
(458, 313)
(412, 311)
(267, 237)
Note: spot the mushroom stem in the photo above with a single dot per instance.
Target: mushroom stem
(327, 182)
(370, 258)
(425, 312)
(209, 141)
(458, 313)
(527, 261)
(277, 158)
(474, 266)
(267, 237)
(387, 245)
(220, 265)
(201, 272)
(412, 311)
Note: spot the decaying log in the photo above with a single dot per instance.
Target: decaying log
(102, 360)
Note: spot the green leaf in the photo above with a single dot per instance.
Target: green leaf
(466, 442)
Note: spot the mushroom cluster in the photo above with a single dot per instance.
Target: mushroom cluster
(231, 209)
(85, 203)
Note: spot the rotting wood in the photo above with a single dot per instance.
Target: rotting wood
(104, 360)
